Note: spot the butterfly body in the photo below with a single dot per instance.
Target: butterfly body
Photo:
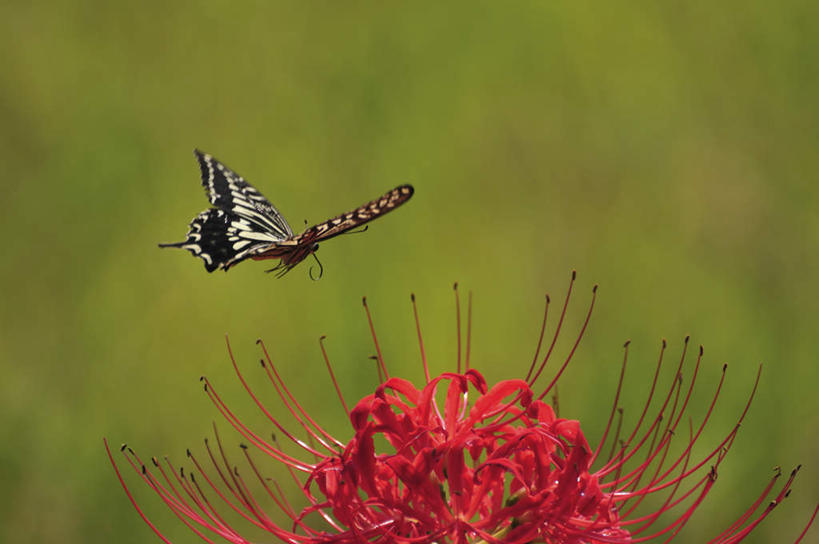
(244, 224)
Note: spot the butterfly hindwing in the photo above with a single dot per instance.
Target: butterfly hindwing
(222, 239)
(228, 191)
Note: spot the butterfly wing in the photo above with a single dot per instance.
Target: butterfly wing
(242, 224)
(222, 239)
(361, 215)
(228, 191)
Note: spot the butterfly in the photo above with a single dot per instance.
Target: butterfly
(243, 224)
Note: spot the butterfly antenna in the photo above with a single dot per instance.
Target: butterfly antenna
(321, 269)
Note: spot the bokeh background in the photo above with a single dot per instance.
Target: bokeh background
(666, 151)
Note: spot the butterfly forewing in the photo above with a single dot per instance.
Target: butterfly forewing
(359, 216)
(228, 191)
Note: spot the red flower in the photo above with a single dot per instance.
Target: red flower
(457, 461)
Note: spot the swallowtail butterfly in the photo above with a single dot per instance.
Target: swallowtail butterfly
(244, 224)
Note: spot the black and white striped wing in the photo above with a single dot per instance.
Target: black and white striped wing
(242, 224)
(228, 191)
(222, 239)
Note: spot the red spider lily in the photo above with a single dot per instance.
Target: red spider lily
(461, 462)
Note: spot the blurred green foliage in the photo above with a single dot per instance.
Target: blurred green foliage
(668, 151)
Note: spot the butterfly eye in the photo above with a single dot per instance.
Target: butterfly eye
(314, 248)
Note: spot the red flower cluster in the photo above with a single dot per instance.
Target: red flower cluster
(457, 461)
(502, 469)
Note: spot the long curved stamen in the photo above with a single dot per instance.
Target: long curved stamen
(420, 338)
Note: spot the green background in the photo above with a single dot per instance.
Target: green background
(667, 151)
